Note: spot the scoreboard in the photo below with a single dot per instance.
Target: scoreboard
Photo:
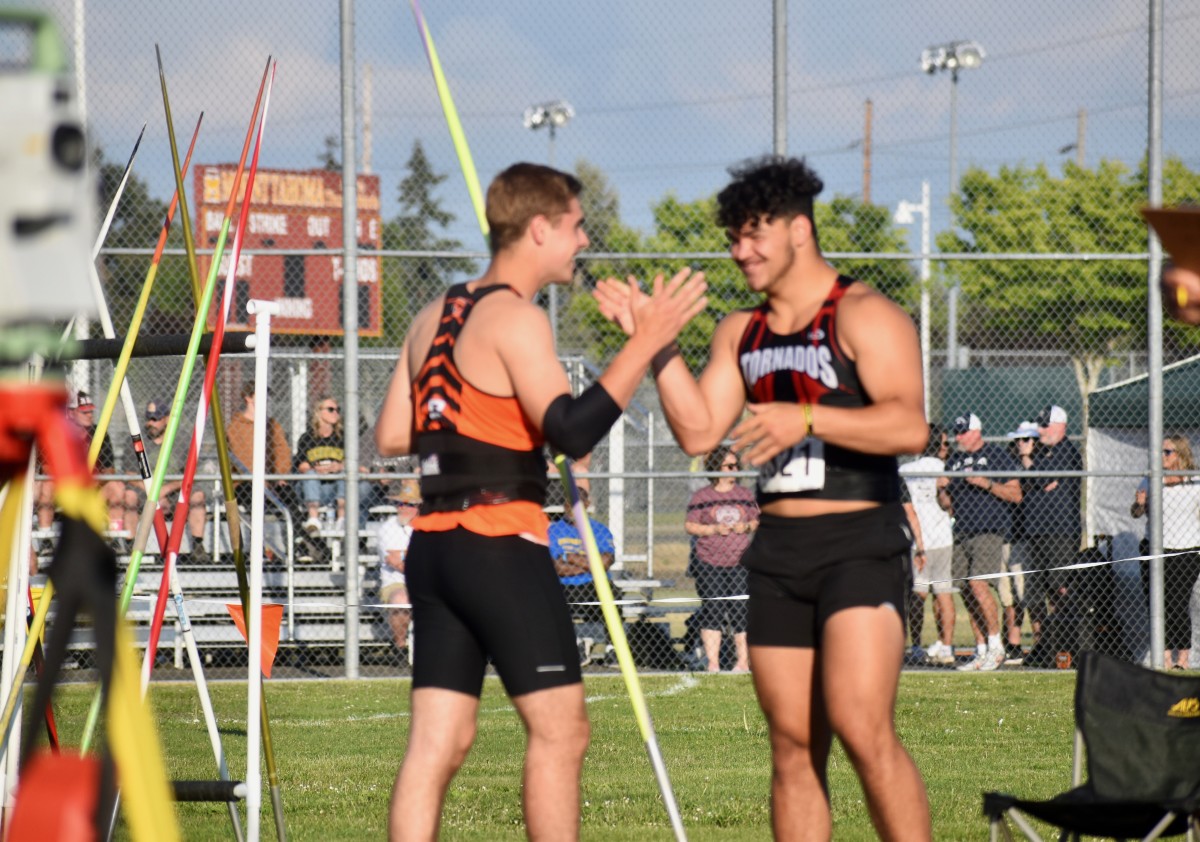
(293, 209)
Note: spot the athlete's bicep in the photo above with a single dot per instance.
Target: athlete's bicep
(887, 352)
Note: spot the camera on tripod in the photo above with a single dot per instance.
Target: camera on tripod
(46, 203)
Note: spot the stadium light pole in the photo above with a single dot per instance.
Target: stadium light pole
(952, 57)
(904, 216)
(550, 116)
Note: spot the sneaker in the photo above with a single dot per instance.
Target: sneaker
(312, 526)
(1014, 655)
(940, 655)
(990, 660)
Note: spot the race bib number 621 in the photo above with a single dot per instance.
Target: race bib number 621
(800, 468)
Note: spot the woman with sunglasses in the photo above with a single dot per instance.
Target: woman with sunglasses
(722, 517)
(1181, 534)
(321, 451)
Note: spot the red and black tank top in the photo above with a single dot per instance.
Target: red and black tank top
(811, 366)
(475, 449)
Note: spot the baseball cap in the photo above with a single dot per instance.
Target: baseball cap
(156, 410)
(405, 492)
(1025, 430)
(1053, 414)
(83, 401)
(967, 421)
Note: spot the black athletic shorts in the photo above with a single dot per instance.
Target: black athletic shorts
(476, 597)
(803, 570)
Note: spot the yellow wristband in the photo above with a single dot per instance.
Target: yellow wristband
(808, 419)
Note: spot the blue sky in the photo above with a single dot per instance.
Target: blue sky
(666, 94)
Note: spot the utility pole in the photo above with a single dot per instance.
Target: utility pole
(866, 190)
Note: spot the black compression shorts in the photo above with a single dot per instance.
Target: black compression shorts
(803, 570)
(475, 597)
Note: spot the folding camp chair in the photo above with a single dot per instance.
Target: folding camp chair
(1141, 729)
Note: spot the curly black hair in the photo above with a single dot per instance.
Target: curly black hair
(770, 187)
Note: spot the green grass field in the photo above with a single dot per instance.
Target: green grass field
(338, 745)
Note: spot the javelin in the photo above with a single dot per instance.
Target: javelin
(452, 123)
(112, 210)
(122, 366)
(171, 546)
(616, 632)
(210, 379)
(203, 297)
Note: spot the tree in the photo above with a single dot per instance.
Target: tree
(847, 224)
(411, 282)
(601, 205)
(330, 158)
(1089, 309)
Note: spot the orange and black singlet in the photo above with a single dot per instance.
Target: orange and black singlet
(810, 366)
(482, 465)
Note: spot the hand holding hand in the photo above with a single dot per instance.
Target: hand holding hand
(980, 482)
(771, 429)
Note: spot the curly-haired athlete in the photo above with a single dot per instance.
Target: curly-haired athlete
(477, 391)
(830, 372)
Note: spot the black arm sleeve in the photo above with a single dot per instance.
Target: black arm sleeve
(576, 425)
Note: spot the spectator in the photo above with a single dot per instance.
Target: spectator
(1051, 510)
(1024, 447)
(982, 517)
(240, 432)
(321, 451)
(933, 547)
(121, 518)
(1181, 533)
(722, 517)
(394, 536)
(575, 575)
(157, 413)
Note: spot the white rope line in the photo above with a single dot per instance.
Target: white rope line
(682, 684)
(680, 600)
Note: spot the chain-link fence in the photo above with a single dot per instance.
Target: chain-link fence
(1029, 286)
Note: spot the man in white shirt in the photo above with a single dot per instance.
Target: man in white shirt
(933, 547)
(394, 536)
